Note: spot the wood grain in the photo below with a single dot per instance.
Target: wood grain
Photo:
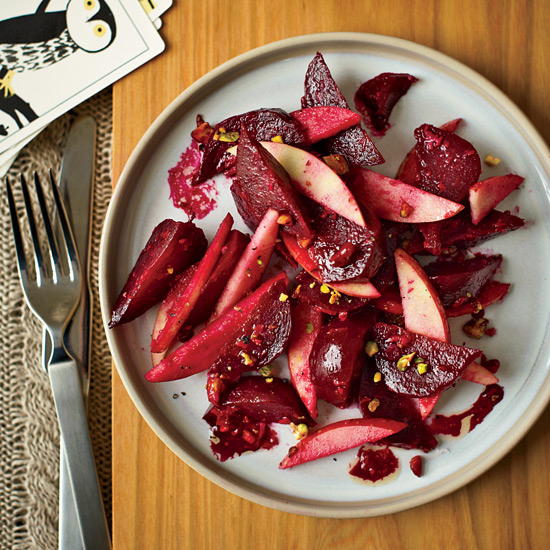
(161, 503)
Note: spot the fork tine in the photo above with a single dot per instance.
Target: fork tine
(66, 229)
(53, 249)
(39, 261)
(21, 261)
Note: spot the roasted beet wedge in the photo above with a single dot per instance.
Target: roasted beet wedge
(341, 249)
(262, 124)
(491, 293)
(449, 165)
(323, 298)
(416, 365)
(377, 401)
(458, 282)
(323, 122)
(376, 98)
(172, 247)
(409, 170)
(256, 329)
(459, 233)
(262, 183)
(225, 372)
(320, 89)
(337, 356)
(266, 400)
(338, 437)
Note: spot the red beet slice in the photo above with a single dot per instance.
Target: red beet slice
(340, 436)
(252, 264)
(415, 464)
(409, 171)
(343, 250)
(322, 121)
(491, 293)
(449, 165)
(377, 401)
(320, 89)
(262, 183)
(179, 303)
(458, 282)
(266, 400)
(376, 98)
(306, 324)
(235, 326)
(223, 374)
(445, 362)
(337, 356)
(323, 298)
(262, 124)
(374, 464)
(171, 248)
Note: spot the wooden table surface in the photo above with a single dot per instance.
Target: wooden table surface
(158, 501)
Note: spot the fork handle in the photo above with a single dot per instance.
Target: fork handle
(71, 412)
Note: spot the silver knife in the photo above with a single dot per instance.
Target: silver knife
(76, 186)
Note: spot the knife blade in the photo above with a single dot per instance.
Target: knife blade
(76, 186)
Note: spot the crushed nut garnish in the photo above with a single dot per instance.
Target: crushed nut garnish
(229, 137)
(170, 270)
(247, 359)
(373, 404)
(405, 362)
(284, 219)
(476, 327)
(300, 430)
(406, 210)
(309, 327)
(283, 297)
(269, 380)
(492, 161)
(277, 139)
(422, 368)
(371, 348)
(266, 371)
(312, 285)
(325, 289)
(377, 377)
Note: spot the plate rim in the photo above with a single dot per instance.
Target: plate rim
(165, 121)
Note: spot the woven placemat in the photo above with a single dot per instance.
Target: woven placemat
(29, 438)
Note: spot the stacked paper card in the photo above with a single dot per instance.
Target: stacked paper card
(54, 54)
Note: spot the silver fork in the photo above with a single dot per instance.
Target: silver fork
(52, 293)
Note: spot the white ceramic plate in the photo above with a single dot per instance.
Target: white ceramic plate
(273, 76)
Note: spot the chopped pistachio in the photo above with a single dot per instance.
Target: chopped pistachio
(309, 327)
(300, 430)
(377, 376)
(422, 368)
(325, 289)
(284, 219)
(283, 297)
(277, 139)
(312, 285)
(373, 404)
(405, 362)
(269, 380)
(229, 137)
(492, 161)
(248, 359)
(371, 348)
(406, 210)
(266, 371)
(170, 270)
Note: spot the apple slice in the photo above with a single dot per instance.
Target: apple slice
(306, 324)
(252, 265)
(486, 194)
(323, 121)
(173, 314)
(399, 202)
(316, 180)
(422, 308)
(338, 437)
(479, 374)
(199, 353)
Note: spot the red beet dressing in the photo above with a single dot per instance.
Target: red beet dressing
(451, 425)
(374, 464)
(196, 200)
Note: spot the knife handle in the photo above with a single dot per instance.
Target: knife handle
(67, 393)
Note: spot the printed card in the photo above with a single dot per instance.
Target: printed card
(54, 54)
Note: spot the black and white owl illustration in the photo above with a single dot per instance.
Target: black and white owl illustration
(38, 40)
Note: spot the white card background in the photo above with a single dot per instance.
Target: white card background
(55, 89)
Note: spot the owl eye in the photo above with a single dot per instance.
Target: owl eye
(89, 4)
(100, 30)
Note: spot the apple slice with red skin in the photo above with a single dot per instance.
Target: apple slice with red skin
(252, 264)
(173, 313)
(361, 289)
(171, 248)
(338, 437)
(479, 375)
(399, 202)
(324, 121)
(422, 308)
(315, 179)
(486, 194)
(214, 340)
(306, 324)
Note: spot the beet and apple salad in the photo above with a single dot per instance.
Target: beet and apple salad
(349, 274)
